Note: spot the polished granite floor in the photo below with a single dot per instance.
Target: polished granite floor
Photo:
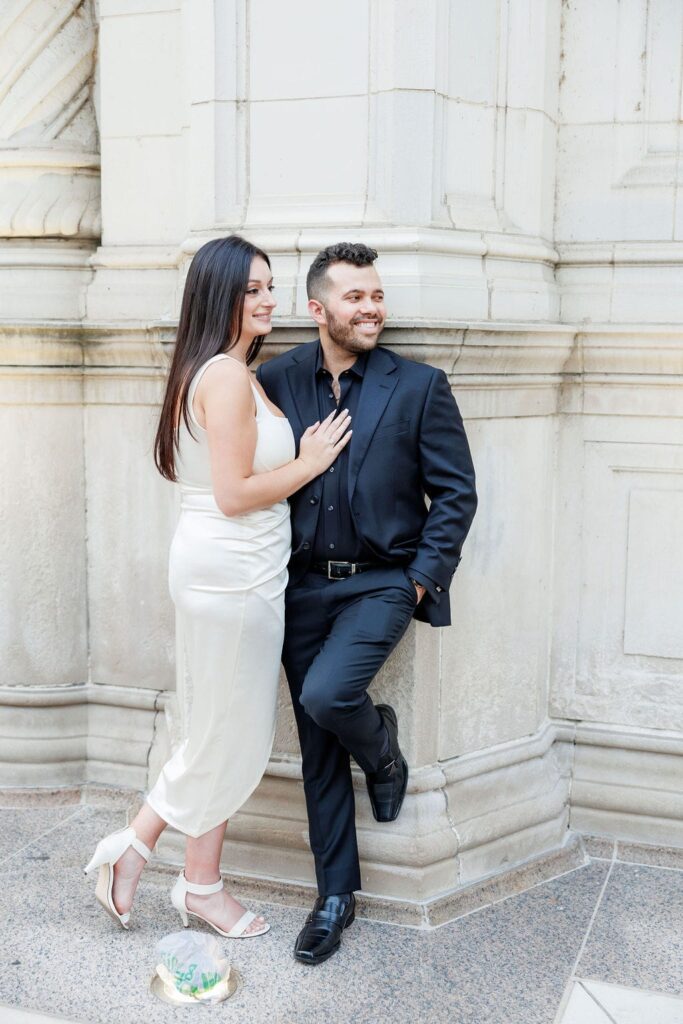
(602, 944)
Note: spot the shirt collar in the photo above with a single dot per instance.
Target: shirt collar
(358, 368)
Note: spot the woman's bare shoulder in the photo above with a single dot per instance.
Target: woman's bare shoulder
(224, 374)
(225, 391)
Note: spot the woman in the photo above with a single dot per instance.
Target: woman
(233, 454)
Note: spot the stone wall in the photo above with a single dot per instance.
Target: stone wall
(516, 165)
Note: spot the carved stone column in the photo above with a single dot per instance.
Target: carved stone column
(49, 160)
(49, 221)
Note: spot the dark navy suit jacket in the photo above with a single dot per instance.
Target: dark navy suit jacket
(408, 444)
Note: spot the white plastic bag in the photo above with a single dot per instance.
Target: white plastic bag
(192, 968)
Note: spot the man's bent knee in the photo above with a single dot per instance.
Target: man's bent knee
(323, 704)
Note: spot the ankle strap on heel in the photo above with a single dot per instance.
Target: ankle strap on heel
(140, 847)
(202, 890)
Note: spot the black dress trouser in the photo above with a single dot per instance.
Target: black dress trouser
(338, 634)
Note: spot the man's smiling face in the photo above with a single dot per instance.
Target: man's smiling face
(353, 306)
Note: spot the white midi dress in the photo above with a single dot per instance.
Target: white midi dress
(227, 577)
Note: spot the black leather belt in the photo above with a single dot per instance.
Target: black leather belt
(341, 570)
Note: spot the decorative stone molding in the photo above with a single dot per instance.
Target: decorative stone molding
(51, 195)
(627, 783)
(68, 735)
(657, 26)
(49, 164)
(467, 819)
(464, 819)
(557, 354)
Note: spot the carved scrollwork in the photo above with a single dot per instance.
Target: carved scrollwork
(49, 163)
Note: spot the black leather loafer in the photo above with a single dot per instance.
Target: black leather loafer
(321, 936)
(387, 786)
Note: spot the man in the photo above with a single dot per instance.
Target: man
(367, 556)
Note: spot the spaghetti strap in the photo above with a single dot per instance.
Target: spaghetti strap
(261, 403)
(198, 376)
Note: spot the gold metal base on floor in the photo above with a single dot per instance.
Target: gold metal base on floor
(163, 987)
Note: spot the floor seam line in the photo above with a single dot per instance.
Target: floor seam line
(630, 988)
(572, 977)
(644, 864)
(434, 927)
(42, 835)
(503, 899)
(552, 878)
(597, 1002)
(593, 916)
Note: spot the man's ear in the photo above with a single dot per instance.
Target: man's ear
(317, 311)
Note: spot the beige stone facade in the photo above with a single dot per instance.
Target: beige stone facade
(518, 167)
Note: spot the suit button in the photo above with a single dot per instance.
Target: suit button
(439, 589)
(314, 500)
(305, 545)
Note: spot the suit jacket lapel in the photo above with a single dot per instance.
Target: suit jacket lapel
(379, 380)
(301, 382)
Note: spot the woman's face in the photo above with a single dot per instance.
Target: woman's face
(259, 302)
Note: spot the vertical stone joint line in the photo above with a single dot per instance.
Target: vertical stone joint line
(156, 711)
(453, 827)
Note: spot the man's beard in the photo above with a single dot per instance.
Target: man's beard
(342, 335)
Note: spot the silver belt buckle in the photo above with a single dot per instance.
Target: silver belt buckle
(329, 569)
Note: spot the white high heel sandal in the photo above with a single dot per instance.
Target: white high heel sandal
(238, 930)
(106, 855)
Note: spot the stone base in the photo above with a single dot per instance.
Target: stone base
(413, 913)
(627, 784)
(66, 736)
(467, 822)
(463, 820)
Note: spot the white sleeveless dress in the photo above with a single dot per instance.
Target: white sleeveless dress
(227, 577)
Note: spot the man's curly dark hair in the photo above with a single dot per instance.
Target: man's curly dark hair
(342, 252)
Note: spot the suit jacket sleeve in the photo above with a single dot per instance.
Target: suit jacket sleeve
(448, 480)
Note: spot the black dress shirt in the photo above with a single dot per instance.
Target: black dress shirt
(335, 538)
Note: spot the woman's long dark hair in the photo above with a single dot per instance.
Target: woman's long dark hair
(210, 322)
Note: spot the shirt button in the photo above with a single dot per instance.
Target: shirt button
(330, 508)
(439, 589)
(330, 395)
(331, 547)
(331, 469)
(305, 545)
(314, 500)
